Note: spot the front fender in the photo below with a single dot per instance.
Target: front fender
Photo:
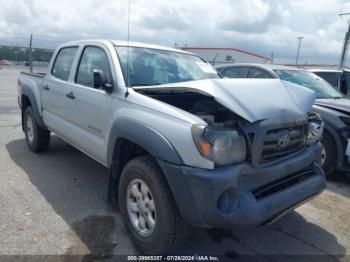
(145, 136)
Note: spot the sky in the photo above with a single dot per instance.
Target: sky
(260, 26)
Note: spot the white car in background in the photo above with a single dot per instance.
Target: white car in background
(4, 62)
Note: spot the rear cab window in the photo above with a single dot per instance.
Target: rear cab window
(63, 63)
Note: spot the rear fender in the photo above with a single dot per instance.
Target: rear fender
(27, 91)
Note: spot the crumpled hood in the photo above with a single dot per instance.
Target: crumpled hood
(252, 99)
(341, 104)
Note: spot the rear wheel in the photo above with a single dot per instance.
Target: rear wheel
(37, 138)
(328, 153)
(148, 209)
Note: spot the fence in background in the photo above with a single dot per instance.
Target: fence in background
(27, 50)
(14, 55)
(8, 87)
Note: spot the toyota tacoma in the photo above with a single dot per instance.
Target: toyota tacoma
(182, 146)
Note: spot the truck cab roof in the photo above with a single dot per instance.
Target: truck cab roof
(123, 43)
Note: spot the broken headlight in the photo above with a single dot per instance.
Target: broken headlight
(315, 128)
(222, 146)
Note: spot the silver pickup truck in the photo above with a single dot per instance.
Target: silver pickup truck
(182, 146)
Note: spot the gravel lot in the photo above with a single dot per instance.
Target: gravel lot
(55, 204)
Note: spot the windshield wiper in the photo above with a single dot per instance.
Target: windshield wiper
(330, 97)
(153, 84)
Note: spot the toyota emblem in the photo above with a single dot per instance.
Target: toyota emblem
(283, 141)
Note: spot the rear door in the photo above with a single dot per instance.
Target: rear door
(91, 106)
(56, 106)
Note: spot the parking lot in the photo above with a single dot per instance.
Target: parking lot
(55, 204)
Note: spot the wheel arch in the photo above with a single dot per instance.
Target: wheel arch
(28, 99)
(129, 139)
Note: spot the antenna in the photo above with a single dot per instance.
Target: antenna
(31, 53)
(300, 38)
(127, 51)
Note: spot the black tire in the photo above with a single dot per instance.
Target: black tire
(39, 139)
(170, 231)
(330, 148)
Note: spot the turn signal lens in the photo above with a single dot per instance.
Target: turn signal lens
(205, 148)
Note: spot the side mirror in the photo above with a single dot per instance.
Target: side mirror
(100, 81)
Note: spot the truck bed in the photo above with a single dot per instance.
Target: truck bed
(33, 82)
(41, 75)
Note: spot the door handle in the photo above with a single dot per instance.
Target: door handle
(70, 95)
(46, 87)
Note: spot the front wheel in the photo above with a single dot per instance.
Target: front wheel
(148, 208)
(37, 138)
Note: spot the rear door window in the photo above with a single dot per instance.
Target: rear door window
(63, 63)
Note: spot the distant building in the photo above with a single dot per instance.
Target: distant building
(217, 56)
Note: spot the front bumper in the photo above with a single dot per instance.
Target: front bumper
(253, 195)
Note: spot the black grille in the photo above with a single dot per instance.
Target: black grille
(283, 183)
(272, 150)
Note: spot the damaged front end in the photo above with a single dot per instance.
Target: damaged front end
(261, 121)
(263, 142)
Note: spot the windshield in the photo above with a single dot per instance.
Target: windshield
(148, 66)
(311, 81)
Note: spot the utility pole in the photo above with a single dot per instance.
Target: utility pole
(299, 38)
(30, 53)
(214, 59)
(271, 59)
(345, 44)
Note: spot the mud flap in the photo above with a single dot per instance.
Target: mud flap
(113, 185)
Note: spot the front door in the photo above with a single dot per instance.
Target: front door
(92, 106)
